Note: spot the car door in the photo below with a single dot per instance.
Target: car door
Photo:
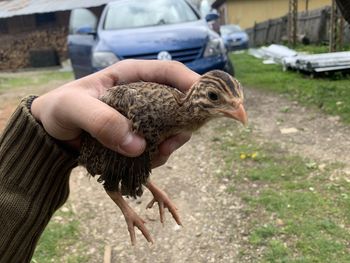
(81, 39)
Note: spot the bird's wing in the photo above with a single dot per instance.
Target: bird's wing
(152, 108)
(121, 97)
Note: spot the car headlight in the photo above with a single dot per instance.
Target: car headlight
(103, 59)
(215, 46)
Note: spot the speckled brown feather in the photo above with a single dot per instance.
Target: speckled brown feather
(157, 112)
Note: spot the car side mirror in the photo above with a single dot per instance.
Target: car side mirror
(82, 21)
(86, 30)
(211, 17)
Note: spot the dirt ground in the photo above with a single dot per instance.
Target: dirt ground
(211, 217)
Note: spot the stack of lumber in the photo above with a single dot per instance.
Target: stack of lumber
(15, 50)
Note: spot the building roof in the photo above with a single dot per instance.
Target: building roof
(9, 8)
(217, 3)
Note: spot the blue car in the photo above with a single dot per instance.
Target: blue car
(153, 29)
(234, 37)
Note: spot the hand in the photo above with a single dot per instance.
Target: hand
(66, 111)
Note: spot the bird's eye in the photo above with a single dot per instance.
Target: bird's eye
(213, 96)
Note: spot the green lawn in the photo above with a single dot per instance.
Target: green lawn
(60, 241)
(293, 211)
(332, 95)
(10, 81)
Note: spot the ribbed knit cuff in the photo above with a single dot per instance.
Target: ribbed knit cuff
(28, 153)
(34, 183)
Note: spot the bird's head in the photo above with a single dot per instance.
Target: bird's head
(218, 94)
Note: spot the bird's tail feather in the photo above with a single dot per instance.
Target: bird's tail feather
(116, 172)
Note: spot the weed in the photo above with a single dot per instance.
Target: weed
(57, 239)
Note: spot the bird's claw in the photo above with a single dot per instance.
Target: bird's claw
(164, 201)
(132, 221)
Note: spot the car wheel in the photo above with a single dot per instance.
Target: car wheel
(229, 67)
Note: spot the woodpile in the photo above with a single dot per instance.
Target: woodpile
(15, 50)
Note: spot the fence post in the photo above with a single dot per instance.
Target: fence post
(292, 22)
(336, 29)
(267, 31)
(254, 34)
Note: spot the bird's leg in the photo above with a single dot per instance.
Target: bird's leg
(163, 201)
(131, 218)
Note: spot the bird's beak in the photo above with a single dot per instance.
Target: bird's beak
(238, 114)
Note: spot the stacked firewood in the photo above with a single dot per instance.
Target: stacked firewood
(15, 50)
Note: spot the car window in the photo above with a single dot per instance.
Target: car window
(81, 17)
(225, 30)
(130, 14)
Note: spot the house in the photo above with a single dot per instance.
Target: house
(247, 12)
(34, 32)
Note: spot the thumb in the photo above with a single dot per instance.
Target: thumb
(108, 126)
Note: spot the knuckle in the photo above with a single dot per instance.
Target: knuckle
(107, 125)
(172, 66)
(175, 63)
(101, 122)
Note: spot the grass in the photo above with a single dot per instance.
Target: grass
(315, 49)
(10, 81)
(332, 95)
(295, 212)
(59, 242)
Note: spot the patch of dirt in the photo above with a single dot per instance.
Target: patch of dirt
(210, 215)
(316, 135)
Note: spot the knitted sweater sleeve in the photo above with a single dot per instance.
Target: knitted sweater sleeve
(34, 183)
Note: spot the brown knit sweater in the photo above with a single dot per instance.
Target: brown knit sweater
(34, 175)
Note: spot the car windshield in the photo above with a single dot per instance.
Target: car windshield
(131, 14)
(225, 30)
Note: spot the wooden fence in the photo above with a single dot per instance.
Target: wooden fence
(314, 25)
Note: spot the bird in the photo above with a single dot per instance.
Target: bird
(156, 112)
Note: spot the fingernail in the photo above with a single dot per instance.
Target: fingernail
(133, 145)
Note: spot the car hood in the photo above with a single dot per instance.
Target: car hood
(146, 40)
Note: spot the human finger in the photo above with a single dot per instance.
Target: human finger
(172, 73)
(104, 123)
(173, 143)
(166, 148)
(159, 160)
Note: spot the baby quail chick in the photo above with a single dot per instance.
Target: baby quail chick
(157, 112)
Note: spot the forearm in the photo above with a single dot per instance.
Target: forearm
(34, 177)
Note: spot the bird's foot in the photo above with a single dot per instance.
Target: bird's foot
(163, 201)
(133, 220)
(131, 217)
